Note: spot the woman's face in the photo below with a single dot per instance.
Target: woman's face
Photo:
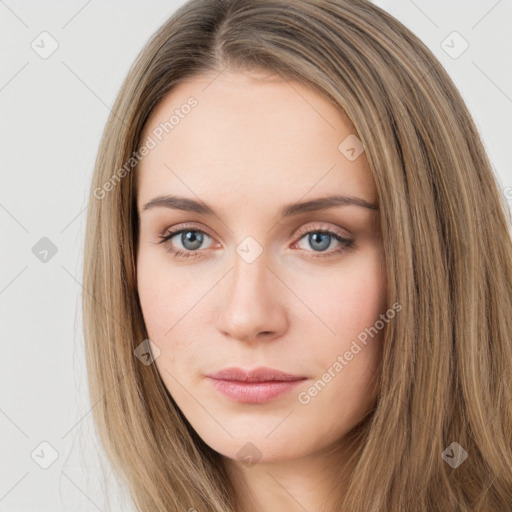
(264, 281)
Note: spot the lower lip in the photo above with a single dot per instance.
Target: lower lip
(254, 392)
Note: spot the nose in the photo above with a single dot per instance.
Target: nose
(251, 304)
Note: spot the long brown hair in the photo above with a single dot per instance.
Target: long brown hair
(446, 369)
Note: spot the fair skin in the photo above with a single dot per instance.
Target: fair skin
(253, 144)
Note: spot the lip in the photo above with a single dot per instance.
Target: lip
(257, 385)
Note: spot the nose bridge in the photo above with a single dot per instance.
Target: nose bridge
(248, 277)
(250, 304)
(250, 273)
(249, 283)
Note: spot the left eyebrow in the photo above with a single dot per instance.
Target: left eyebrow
(289, 210)
(323, 203)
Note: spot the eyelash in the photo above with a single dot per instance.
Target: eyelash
(346, 244)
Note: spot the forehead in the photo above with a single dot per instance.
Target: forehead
(250, 133)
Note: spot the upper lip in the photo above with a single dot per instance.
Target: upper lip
(260, 374)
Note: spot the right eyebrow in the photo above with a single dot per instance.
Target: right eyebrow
(179, 203)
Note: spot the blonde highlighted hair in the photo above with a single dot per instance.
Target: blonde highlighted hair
(446, 369)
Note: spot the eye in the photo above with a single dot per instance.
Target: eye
(190, 239)
(322, 239)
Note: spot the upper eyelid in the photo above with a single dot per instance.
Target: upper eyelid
(170, 232)
(305, 230)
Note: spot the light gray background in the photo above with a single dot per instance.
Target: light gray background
(52, 113)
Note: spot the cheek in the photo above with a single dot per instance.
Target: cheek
(360, 329)
(159, 305)
(162, 293)
(363, 298)
(351, 299)
(158, 297)
(155, 303)
(172, 310)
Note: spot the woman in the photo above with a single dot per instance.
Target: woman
(298, 271)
